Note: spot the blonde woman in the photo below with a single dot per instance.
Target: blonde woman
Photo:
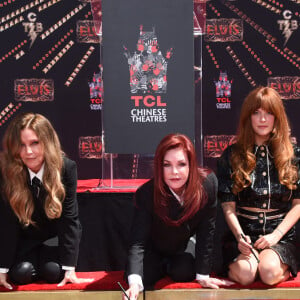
(259, 191)
(38, 202)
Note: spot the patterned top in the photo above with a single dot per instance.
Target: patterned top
(265, 191)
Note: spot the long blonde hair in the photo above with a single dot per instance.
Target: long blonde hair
(243, 160)
(15, 173)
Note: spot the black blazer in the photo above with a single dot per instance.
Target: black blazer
(16, 238)
(148, 230)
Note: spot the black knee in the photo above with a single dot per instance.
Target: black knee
(182, 268)
(153, 269)
(23, 273)
(51, 272)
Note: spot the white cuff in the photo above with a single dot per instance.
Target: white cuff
(201, 276)
(67, 268)
(137, 279)
(4, 270)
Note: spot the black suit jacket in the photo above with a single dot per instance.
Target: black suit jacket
(18, 239)
(150, 231)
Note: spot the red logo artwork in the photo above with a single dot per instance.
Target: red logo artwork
(214, 145)
(288, 87)
(147, 65)
(90, 147)
(224, 30)
(86, 32)
(34, 90)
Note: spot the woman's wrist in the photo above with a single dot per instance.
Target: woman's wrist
(277, 230)
(201, 276)
(135, 279)
(238, 236)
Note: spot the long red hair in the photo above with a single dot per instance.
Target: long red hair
(194, 194)
(243, 160)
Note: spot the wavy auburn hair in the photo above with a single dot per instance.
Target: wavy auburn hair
(243, 160)
(194, 194)
(15, 172)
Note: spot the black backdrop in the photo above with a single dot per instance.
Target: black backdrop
(70, 110)
(245, 41)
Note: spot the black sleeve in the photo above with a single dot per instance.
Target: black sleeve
(225, 182)
(296, 192)
(206, 227)
(140, 229)
(9, 232)
(69, 228)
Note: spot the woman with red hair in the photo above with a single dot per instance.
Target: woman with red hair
(259, 191)
(174, 222)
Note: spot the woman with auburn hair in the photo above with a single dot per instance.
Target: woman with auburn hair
(38, 202)
(178, 203)
(259, 192)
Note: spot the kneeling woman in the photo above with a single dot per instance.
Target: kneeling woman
(38, 202)
(178, 203)
(259, 190)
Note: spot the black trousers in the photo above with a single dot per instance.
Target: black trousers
(180, 266)
(40, 263)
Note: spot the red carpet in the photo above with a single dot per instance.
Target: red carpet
(167, 283)
(108, 281)
(102, 281)
(108, 186)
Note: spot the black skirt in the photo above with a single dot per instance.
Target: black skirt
(256, 227)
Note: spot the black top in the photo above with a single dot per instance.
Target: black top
(67, 227)
(265, 191)
(149, 230)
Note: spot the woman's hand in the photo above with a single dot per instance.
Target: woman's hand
(132, 292)
(213, 283)
(268, 240)
(3, 281)
(70, 276)
(245, 245)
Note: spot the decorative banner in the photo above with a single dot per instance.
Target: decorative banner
(224, 30)
(214, 145)
(34, 89)
(90, 147)
(86, 32)
(287, 86)
(148, 72)
(247, 44)
(96, 91)
(49, 55)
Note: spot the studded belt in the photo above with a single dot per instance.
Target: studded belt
(253, 215)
